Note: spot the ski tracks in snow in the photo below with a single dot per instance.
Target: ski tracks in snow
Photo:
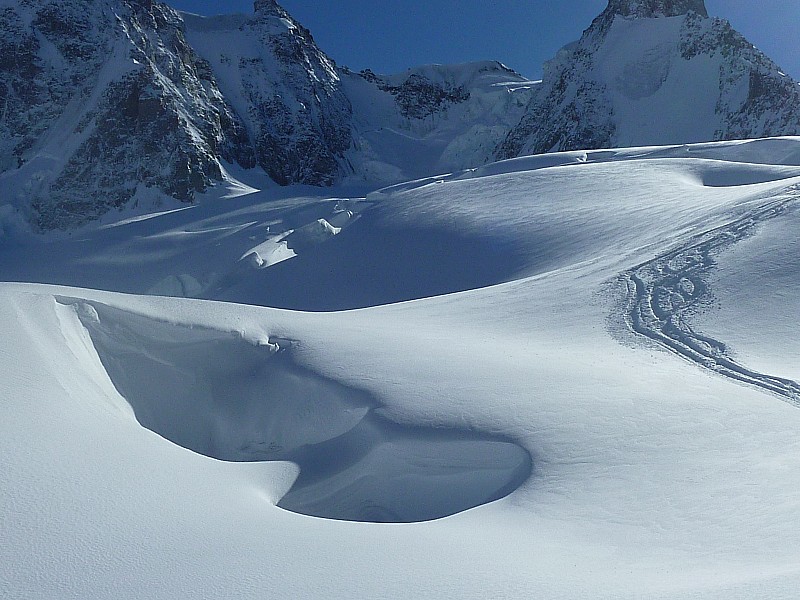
(663, 292)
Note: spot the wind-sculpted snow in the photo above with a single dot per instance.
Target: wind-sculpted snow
(664, 291)
(231, 399)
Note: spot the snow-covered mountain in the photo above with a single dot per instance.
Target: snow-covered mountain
(116, 101)
(103, 100)
(432, 119)
(285, 89)
(656, 72)
(312, 122)
(113, 103)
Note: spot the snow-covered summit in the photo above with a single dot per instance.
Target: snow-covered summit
(283, 87)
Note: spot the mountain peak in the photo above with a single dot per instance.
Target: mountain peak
(648, 9)
(266, 7)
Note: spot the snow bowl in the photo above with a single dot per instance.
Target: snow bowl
(222, 396)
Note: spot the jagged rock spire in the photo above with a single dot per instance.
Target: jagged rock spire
(648, 9)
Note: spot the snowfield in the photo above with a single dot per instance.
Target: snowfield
(513, 382)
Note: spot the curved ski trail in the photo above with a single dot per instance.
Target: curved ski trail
(662, 292)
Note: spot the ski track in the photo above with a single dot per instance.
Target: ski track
(663, 291)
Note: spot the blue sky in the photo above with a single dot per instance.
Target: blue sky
(389, 36)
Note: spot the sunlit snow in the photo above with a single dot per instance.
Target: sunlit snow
(488, 423)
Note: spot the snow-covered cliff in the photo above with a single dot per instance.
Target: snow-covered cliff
(285, 89)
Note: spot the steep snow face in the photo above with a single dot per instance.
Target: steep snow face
(431, 119)
(286, 90)
(107, 97)
(656, 73)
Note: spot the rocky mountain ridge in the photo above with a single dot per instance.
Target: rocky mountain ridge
(107, 99)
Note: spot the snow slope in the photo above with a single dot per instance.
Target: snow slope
(650, 475)
(759, 273)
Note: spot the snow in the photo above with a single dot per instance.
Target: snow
(652, 103)
(638, 78)
(53, 150)
(572, 457)
(757, 285)
(389, 147)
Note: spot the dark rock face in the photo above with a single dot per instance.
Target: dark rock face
(268, 8)
(34, 92)
(772, 103)
(108, 97)
(569, 112)
(648, 9)
(419, 97)
(23, 117)
(299, 118)
(162, 126)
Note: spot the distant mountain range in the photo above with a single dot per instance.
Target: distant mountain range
(108, 102)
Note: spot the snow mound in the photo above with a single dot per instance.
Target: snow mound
(231, 399)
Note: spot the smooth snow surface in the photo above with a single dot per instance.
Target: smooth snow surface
(167, 447)
(757, 286)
